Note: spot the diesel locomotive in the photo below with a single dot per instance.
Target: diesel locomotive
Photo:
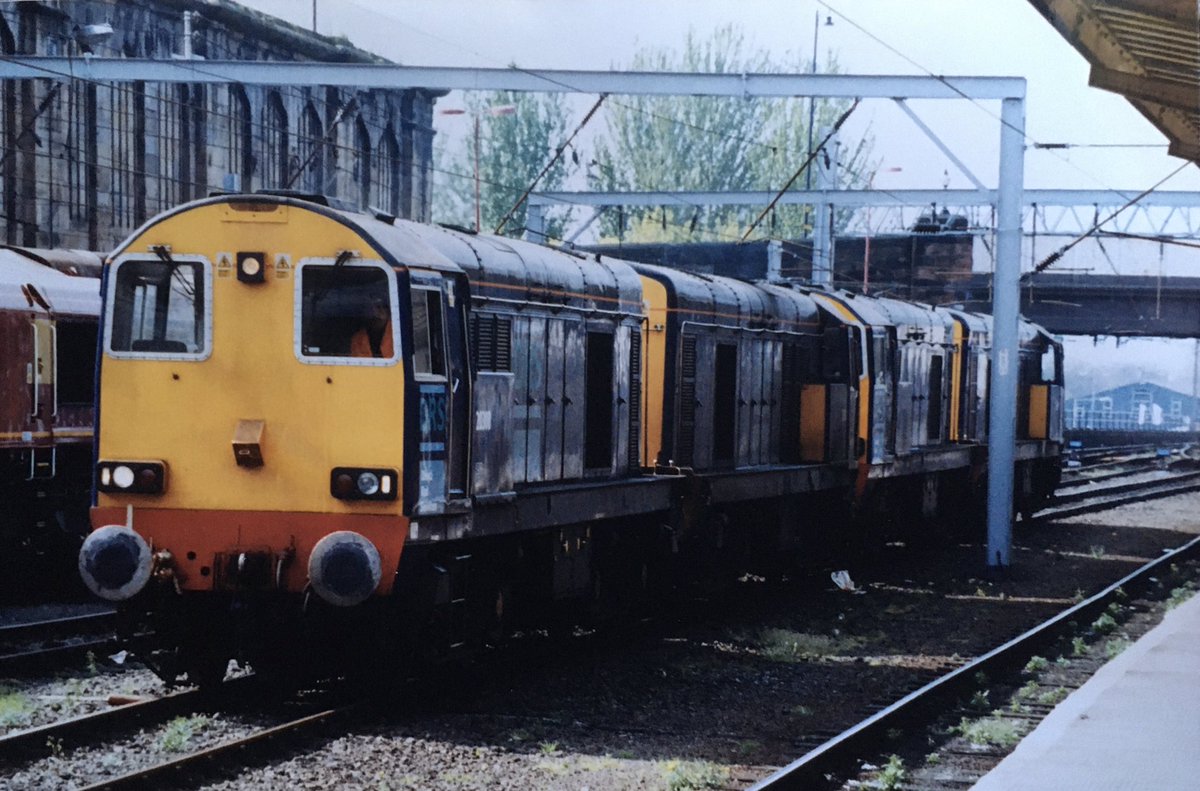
(49, 311)
(361, 435)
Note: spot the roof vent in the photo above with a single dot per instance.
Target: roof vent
(381, 215)
(312, 197)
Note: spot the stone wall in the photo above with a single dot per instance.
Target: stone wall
(86, 163)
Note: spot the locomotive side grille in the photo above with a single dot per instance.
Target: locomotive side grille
(685, 443)
(503, 359)
(491, 342)
(483, 341)
(635, 399)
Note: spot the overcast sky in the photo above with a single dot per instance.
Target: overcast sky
(944, 37)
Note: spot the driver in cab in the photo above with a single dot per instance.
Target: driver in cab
(374, 337)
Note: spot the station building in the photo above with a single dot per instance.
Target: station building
(85, 163)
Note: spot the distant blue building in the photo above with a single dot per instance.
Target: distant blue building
(1133, 407)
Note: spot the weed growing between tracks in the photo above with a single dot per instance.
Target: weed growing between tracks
(179, 732)
(695, 775)
(893, 774)
(992, 731)
(785, 645)
(16, 708)
(1181, 594)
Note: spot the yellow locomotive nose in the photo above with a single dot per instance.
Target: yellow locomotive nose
(115, 562)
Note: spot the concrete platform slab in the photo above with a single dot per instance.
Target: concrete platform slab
(1135, 725)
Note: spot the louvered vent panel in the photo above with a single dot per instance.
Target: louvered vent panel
(635, 400)
(685, 441)
(503, 359)
(483, 341)
(491, 342)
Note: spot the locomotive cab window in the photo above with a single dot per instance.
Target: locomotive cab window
(429, 339)
(346, 314)
(160, 309)
(1049, 366)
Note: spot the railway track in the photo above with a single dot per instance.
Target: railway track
(1086, 501)
(1124, 471)
(1122, 465)
(38, 646)
(840, 755)
(197, 766)
(318, 720)
(1085, 464)
(1111, 451)
(35, 743)
(94, 730)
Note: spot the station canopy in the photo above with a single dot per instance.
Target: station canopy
(1146, 50)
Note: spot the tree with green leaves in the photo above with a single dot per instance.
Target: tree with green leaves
(706, 143)
(518, 134)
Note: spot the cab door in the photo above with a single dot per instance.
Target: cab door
(442, 382)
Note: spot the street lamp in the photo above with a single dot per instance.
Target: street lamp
(494, 111)
(812, 100)
(867, 238)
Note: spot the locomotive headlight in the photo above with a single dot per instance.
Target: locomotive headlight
(250, 267)
(131, 477)
(368, 483)
(359, 483)
(122, 477)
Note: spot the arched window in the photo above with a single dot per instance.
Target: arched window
(362, 162)
(311, 151)
(275, 152)
(81, 150)
(240, 166)
(165, 147)
(193, 156)
(127, 150)
(386, 191)
(331, 153)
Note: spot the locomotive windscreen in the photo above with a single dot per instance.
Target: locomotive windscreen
(336, 303)
(158, 306)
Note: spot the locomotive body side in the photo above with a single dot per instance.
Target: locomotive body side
(560, 515)
(735, 359)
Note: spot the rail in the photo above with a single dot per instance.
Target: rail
(213, 760)
(870, 735)
(1104, 498)
(35, 743)
(55, 642)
